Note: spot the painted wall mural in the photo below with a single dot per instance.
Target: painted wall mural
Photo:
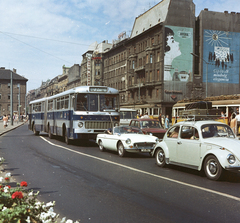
(177, 53)
(221, 55)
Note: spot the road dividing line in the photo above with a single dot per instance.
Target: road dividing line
(146, 173)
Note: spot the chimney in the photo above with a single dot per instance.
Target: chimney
(14, 70)
(226, 12)
(206, 9)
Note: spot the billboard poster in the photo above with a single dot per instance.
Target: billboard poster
(221, 56)
(177, 53)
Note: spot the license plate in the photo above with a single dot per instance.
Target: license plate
(145, 150)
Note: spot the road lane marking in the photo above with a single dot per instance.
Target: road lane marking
(147, 173)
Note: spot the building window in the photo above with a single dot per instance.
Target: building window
(9, 96)
(0, 96)
(9, 85)
(152, 41)
(151, 58)
(147, 59)
(158, 75)
(133, 65)
(158, 56)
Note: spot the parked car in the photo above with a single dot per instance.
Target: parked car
(208, 145)
(148, 125)
(126, 139)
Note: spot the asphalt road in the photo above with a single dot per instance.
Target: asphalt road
(94, 186)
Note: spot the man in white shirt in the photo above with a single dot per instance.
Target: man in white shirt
(238, 122)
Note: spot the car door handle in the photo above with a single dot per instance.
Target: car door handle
(179, 142)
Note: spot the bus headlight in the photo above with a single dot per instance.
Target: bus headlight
(231, 158)
(128, 141)
(80, 124)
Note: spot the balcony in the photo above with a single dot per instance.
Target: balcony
(141, 68)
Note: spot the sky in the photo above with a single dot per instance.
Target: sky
(38, 37)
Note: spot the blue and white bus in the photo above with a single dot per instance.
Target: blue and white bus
(79, 113)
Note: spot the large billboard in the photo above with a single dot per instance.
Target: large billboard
(221, 56)
(177, 53)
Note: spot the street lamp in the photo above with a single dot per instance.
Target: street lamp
(195, 55)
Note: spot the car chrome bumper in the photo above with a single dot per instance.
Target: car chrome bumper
(233, 168)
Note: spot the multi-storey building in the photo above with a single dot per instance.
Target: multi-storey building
(92, 64)
(18, 92)
(142, 67)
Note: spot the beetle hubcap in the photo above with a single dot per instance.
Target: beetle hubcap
(212, 167)
(161, 156)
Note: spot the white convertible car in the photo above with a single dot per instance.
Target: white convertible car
(126, 139)
(208, 145)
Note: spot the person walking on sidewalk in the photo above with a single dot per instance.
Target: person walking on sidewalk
(5, 121)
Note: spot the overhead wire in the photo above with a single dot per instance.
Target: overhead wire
(7, 34)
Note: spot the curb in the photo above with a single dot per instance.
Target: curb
(8, 130)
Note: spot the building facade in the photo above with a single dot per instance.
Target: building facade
(18, 92)
(153, 68)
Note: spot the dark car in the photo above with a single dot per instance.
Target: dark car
(148, 125)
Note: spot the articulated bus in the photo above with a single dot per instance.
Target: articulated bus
(79, 113)
(230, 104)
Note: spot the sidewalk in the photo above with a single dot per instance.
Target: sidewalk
(9, 127)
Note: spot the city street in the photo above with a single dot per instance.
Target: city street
(93, 186)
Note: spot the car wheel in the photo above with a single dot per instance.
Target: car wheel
(100, 144)
(49, 133)
(212, 168)
(121, 150)
(36, 133)
(160, 157)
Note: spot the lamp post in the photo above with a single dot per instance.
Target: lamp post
(195, 55)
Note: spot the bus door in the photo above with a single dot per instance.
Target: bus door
(44, 118)
(72, 105)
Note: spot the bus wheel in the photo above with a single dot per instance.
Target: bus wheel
(50, 135)
(36, 133)
(66, 139)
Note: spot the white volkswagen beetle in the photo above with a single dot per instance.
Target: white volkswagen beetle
(208, 145)
(126, 139)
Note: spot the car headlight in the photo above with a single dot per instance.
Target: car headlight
(157, 140)
(231, 159)
(80, 124)
(128, 141)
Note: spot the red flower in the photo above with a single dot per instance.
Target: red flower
(7, 178)
(17, 195)
(23, 184)
(8, 186)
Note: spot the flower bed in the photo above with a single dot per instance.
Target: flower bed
(20, 205)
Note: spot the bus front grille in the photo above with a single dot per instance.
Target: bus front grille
(98, 125)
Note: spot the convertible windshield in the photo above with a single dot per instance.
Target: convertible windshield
(126, 130)
(217, 130)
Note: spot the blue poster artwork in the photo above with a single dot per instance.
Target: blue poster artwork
(221, 56)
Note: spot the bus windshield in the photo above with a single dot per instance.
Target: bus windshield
(89, 102)
(108, 102)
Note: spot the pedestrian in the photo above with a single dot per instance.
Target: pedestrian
(145, 116)
(160, 119)
(5, 121)
(238, 122)
(233, 124)
(167, 122)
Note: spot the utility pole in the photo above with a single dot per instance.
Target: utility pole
(11, 99)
